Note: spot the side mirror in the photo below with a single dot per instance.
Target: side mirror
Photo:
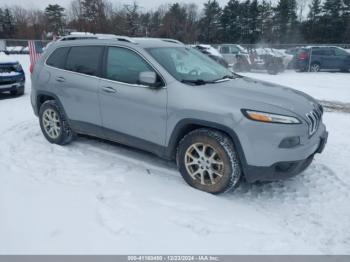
(148, 78)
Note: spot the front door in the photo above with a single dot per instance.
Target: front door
(131, 112)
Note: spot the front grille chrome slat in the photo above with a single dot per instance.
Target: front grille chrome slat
(313, 119)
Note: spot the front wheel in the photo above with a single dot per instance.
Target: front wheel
(208, 161)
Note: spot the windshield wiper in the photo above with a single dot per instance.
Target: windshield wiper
(197, 82)
(226, 77)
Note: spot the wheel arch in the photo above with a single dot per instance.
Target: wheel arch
(43, 96)
(185, 126)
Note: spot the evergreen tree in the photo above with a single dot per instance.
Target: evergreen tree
(55, 18)
(94, 15)
(315, 10)
(155, 23)
(230, 21)
(174, 23)
(332, 22)
(286, 21)
(265, 21)
(332, 8)
(254, 30)
(7, 23)
(244, 21)
(312, 28)
(210, 23)
(346, 19)
(132, 18)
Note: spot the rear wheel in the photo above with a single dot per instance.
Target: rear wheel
(315, 67)
(54, 124)
(208, 161)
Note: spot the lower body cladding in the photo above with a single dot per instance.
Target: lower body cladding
(269, 158)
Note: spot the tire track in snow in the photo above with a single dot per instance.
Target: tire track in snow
(309, 205)
(312, 206)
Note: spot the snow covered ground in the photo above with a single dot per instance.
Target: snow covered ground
(329, 86)
(101, 198)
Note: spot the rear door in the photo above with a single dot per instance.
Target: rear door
(77, 86)
(131, 112)
(325, 56)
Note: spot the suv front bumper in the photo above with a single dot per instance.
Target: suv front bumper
(283, 170)
(11, 87)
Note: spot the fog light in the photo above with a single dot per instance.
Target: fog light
(290, 142)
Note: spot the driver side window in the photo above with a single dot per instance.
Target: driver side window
(124, 65)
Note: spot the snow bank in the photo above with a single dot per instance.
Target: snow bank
(323, 86)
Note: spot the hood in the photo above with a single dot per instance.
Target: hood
(6, 59)
(257, 95)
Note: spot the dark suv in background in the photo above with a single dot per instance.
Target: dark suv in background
(12, 77)
(317, 58)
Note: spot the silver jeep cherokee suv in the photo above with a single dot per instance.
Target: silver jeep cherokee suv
(161, 96)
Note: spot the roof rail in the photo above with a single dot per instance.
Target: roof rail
(171, 40)
(87, 35)
(125, 39)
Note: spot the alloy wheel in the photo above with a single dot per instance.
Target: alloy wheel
(204, 164)
(51, 123)
(315, 68)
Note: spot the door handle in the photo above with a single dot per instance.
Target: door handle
(108, 89)
(60, 79)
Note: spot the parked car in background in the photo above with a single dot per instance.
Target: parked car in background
(293, 52)
(161, 96)
(17, 50)
(212, 53)
(317, 58)
(272, 60)
(12, 77)
(235, 55)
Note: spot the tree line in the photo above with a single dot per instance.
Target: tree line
(248, 21)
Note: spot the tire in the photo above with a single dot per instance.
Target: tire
(18, 92)
(272, 69)
(51, 112)
(315, 67)
(225, 162)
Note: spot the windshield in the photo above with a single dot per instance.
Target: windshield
(189, 65)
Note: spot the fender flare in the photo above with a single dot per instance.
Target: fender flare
(185, 126)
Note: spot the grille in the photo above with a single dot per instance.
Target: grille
(314, 118)
(7, 82)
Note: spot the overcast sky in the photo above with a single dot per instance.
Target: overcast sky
(147, 4)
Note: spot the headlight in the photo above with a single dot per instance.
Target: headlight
(269, 117)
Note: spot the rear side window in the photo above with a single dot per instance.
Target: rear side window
(85, 59)
(224, 50)
(58, 57)
(323, 51)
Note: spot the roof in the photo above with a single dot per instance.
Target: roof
(321, 46)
